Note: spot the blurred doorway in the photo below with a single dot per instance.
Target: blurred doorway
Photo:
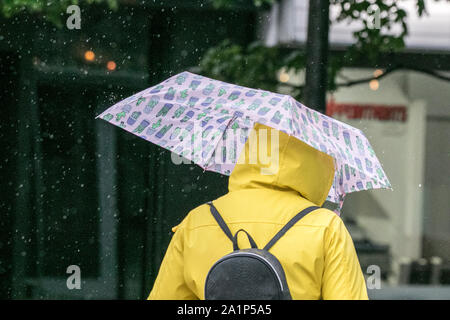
(69, 215)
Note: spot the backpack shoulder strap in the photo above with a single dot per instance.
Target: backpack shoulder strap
(220, 221)
(293, 221)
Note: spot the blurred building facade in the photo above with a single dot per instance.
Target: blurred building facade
(406, 116)
(75, 191)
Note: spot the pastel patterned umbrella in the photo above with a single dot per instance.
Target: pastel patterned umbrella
(189, 114)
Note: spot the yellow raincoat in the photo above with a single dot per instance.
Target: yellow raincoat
(317, 254)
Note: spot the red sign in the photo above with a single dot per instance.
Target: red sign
(367, 111)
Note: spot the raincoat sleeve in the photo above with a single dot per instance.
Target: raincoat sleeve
(170, 284)
(342, 275)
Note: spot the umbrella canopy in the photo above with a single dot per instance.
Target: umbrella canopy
(208, 122)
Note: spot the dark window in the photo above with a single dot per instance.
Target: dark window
(68, 214)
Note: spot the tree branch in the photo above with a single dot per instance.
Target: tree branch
(366, 80)
(350, 83)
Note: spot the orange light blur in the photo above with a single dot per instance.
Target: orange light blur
(377, 73)
(374, 85)
(284, 76)
(89, 55)
(111, 65)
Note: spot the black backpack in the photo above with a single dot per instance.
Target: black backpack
(249, 274)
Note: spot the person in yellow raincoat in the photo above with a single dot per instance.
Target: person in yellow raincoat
(317, 253)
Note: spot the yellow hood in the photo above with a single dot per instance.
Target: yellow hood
(290, 165)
